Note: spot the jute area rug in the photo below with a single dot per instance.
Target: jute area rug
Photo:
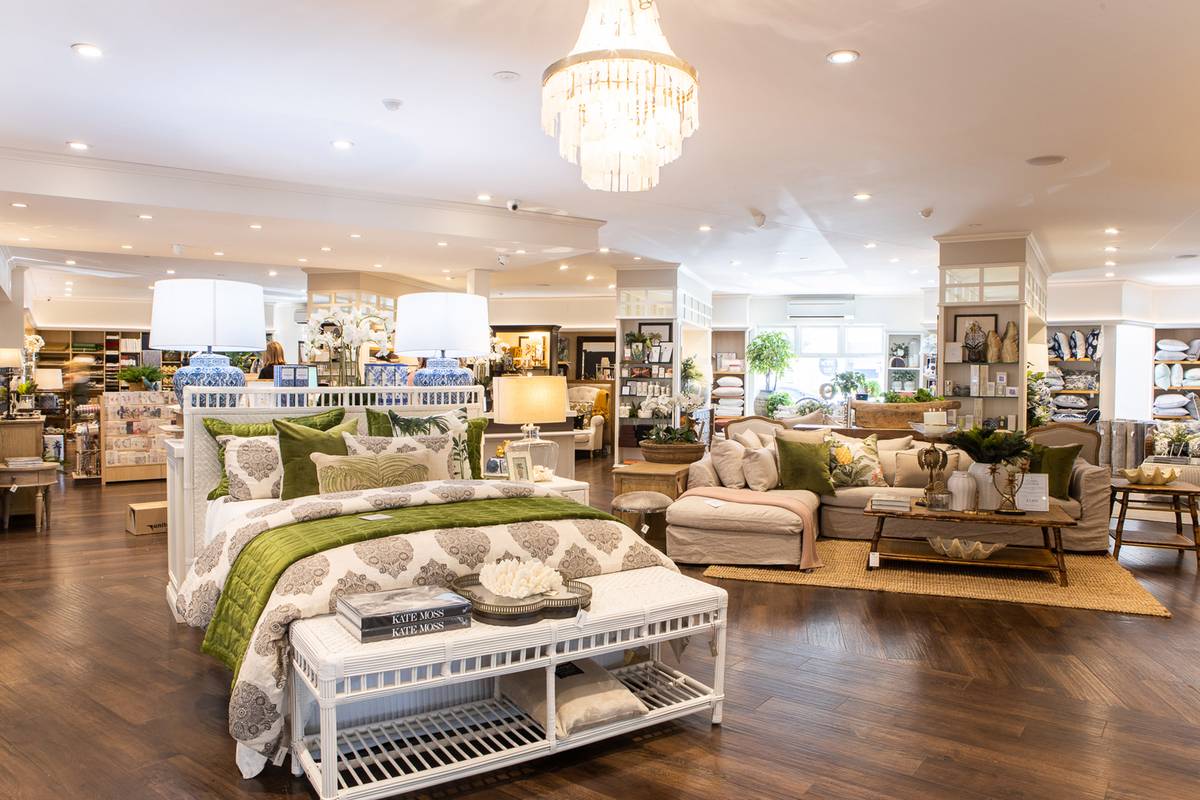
(1095, 581)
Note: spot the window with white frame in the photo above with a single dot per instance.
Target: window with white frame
(823, 350)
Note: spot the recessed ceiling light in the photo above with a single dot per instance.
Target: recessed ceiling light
(392, 103)
(1109, 274)
(604, 250)
(22, 238)
(506, 75)
(326, 249)
(302, 260)
(19, 205)
(256, 226)
(843, 56)
(87, 50)
(870, 245)
(70, 262)
(377, 266)
(170, 272)
(443, 244)
(272, 273)
(519, 252)
(445, 271)
(705, 228)
(612, 286)
(561, 267)
(126, 247)
(218, 252)
(1110, 263)
(735, 263)
(862, 196)
(356, 236)
(893, 261)
(145, 216)
(68, 283)
(483, 197)
(590, 278)
(449, 277)
(1112, 248)
(342, 144)
(80, 146)
(637, 258)
(781, 252)
(1045, 161)
(913, 271)
(1112, 231)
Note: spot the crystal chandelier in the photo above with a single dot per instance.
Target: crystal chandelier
(621, 102)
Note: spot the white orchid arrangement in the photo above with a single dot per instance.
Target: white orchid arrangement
(662, 405)
(689, 401)
(34, 343)
(514, 578)
(349, 330)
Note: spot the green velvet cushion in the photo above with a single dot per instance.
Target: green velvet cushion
(296, 444)
(378, 423)
(219, 427)
(1057, 462)
(804, 466)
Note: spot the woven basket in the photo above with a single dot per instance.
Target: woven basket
(671, 453)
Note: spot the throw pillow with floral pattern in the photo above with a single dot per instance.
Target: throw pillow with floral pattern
(854, 462)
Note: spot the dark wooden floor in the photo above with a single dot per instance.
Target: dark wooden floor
(832, 694)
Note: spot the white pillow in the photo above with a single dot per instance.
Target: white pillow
(1192, 374)
(1171, 412)
(701, 473)
(1167, 355)
(1162, 401)
(910, 474)
(1172, 344)
(585, 695)
(729, 380)
(1070, 401)
(761, 471)
(729, 391)
(254, 466)
(727, 460)
(749, 439)
(899, 443)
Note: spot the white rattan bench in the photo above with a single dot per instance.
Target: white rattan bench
(407, 714)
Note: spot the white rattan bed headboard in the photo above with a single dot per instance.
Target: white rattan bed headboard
(254, 404)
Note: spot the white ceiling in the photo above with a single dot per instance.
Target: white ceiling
(947, 102)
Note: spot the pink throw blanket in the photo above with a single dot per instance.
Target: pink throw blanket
(808, 541)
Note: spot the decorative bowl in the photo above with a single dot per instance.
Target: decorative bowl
(1150, 477)
(966, 549)
(495, 609)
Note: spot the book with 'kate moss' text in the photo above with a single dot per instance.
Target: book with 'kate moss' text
(413, 606)
(404, 631)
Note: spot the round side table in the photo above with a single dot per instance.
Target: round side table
(39, 477)
(642, 504)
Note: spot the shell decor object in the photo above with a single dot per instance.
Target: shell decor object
(1150, 477)
(993, 347)
(519, 579)
(966, 549)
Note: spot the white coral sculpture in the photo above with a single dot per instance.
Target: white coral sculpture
(514, 578)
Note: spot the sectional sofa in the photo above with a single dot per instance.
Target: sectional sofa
(702, 531)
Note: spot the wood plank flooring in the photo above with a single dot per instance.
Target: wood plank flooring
(832, 693)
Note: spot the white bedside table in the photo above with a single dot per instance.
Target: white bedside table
(578, 491)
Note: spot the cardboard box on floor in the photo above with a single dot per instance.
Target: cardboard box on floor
(144, 518)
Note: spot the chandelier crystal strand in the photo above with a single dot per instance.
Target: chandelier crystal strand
(621, 103)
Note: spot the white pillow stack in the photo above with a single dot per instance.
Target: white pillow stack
(730, 394)
(1175, 405)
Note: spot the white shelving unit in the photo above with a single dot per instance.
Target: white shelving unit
(903, 373)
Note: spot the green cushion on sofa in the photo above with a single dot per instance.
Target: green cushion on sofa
(296, 444)
(476, 427)
(378, 423)
(804, 466)
(220, 427)
(1057, 462)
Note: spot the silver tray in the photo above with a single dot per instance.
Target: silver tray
(496, 609)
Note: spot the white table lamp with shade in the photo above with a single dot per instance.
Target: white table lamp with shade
(200, 315)
(442, 327)
(529, 401)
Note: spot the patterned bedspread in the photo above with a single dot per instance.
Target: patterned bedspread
(310, 586)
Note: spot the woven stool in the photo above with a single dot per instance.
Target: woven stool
(642, 504)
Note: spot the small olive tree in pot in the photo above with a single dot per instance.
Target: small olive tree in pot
(768, 354)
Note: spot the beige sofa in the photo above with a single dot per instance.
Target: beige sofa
(702, 532)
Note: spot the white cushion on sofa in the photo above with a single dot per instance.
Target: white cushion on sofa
(697, 512)
(727, 460)
(760, 469)
(909, 473)
(702, 473)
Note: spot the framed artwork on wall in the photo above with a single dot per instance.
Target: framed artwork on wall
(963, 321)
(660, 329)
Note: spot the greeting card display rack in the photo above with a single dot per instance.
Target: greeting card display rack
(131, 439)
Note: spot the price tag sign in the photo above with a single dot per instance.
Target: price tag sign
(873, 560)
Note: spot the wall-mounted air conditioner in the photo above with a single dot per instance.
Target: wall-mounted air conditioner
(300, 314)
(826, 306)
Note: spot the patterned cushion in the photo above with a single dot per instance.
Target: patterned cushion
(854, 462)
(453, 423)
(219, 427)
(441, 445)
(253, 466)
(583, 412)
(354, 473)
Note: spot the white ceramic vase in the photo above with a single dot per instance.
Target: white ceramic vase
(962, 491)
(986, 494)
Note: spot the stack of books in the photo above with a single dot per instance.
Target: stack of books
(891, 502)
(24, 461)
(401, 613)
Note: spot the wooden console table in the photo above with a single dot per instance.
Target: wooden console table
(1046, 558)
(1178, 492)
(38, 477)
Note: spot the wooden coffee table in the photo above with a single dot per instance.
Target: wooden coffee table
(1046, 558)
(1179, 493)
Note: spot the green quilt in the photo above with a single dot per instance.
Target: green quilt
(262, 561)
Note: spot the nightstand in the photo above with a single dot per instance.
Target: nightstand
(578, 491)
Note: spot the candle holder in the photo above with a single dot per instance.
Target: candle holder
(1008, 486)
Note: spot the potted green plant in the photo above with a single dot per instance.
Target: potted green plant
(776, 401)
(139, 377)
(991, 450)
(25, 391)
(768, 354)
(666, 444)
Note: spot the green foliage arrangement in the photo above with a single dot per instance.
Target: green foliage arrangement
(1039, 406)
(666, 434)
(922, 395)
(769, 354)
(143, 374)
(849, 382)
(991, 446)
(26, 387)
(872, 388)
(777, 401)
(689, 372)
(812, 404)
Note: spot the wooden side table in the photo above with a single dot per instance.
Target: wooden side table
(1179, 493)
(37, 477)
(646, 476)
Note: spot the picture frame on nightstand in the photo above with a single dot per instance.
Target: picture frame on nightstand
(520, 466)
